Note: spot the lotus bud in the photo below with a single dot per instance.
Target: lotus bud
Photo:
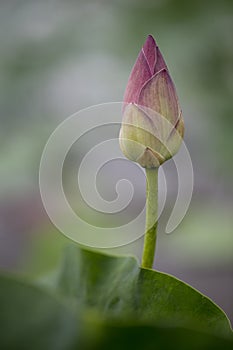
(152, 127)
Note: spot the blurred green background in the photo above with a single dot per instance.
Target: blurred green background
(58, 57)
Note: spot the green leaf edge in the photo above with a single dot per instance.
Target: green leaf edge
(87, 251)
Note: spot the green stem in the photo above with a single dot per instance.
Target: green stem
(151, 217)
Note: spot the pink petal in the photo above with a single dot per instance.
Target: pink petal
(149, 50)
(160, 63)
(159, 94)
(139, 75)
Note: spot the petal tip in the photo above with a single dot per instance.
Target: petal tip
(150, 37)
(150, 41)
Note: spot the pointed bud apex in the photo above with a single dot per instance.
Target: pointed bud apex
(153, 127)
